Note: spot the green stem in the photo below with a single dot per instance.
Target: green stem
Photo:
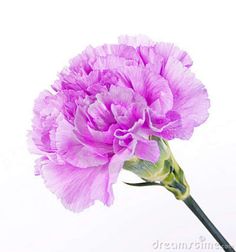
(194, 207)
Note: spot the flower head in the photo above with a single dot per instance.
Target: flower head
(104, 110)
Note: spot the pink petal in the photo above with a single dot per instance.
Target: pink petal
(77, 188)
(147, 150)
(135, 41)
(117, 162)
(99, 140)
(72, 151)
(151, 86)
(168, 50)
(190, 97)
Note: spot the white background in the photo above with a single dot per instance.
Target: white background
(37, 38)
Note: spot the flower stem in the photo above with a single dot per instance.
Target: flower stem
(194, 207)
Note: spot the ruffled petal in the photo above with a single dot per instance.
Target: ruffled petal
(150, 51)
(152, 87)
(147, 150)
(77, 188)
(105, 57)
(168, 50)
(46, 110)
(99, 140)
(72, 151)
(190, 98)
(117, 162)
(135, 41)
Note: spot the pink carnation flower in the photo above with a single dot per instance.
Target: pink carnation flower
(105, 107)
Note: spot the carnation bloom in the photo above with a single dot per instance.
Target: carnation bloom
(105, 109)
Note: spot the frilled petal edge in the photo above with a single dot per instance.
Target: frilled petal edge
(77, 188)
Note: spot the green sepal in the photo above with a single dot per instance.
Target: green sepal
(166, 171)
(143, 184)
